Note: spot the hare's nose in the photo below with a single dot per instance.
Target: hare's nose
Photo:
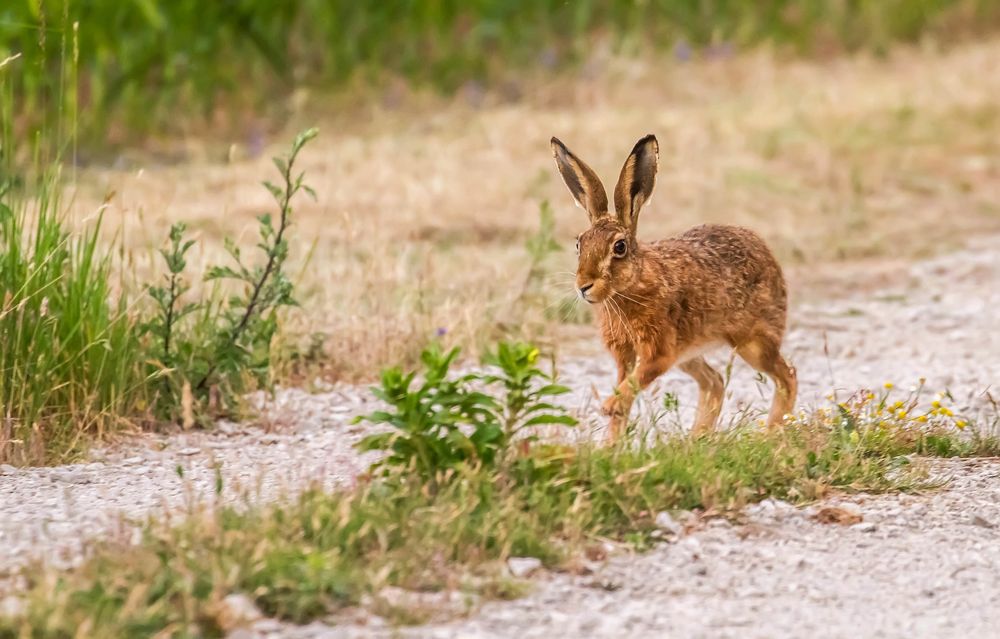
(584, 289)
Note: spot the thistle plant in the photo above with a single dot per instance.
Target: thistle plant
(210, 350)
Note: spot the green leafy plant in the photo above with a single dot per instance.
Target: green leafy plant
(209, 348)
(444, 421)
(524, 402)
(171, 310)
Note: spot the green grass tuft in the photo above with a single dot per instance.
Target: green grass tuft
(69, 356)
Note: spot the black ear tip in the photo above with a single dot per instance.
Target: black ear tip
(647, 139)
(559, 150)
(643, 146)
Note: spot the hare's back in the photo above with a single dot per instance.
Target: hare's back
(733, 262)
(729, 247)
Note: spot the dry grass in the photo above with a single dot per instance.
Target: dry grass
(424, 209)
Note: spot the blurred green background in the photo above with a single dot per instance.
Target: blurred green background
(138, 64)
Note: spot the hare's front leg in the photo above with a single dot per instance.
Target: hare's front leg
(625, 359)
(647, 371)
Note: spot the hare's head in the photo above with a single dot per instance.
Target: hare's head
(607, 250)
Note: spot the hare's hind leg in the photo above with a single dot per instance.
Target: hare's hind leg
(710, 393)
(763, 353)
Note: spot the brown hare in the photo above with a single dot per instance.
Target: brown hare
(665, 303)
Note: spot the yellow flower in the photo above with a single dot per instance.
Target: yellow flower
(922, 418)
(901, 413)
(961, 424)
(888, 385)
(854, 437)
(946, 411)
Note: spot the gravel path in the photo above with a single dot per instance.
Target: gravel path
(51, 512)
(927, 569)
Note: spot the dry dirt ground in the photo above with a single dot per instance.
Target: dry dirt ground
(927, 567)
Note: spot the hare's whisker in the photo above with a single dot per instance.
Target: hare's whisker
(621, 317)
(560, 301)
(632, 299)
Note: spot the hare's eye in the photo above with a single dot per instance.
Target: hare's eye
(619, 248)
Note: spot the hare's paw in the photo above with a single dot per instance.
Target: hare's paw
(612, 407)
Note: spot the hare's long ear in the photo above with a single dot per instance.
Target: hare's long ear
(582, 182)
(635, 184)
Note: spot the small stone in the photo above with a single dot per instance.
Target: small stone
(444, 602)
(12, 607)
(237, 611)
(691, 546)
(766, 554)
(772, 509)
(187, 452)
(595, 552)
(70, 476)
(268, 626)
(667, 523)
(865, 527)
(845, 515)
(7, 469)
(979, 520)
(606, 584)
(132, 461)
(521, 567)
(687, 518)
(227, 428)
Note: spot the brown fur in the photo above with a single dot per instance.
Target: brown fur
(660, 304)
